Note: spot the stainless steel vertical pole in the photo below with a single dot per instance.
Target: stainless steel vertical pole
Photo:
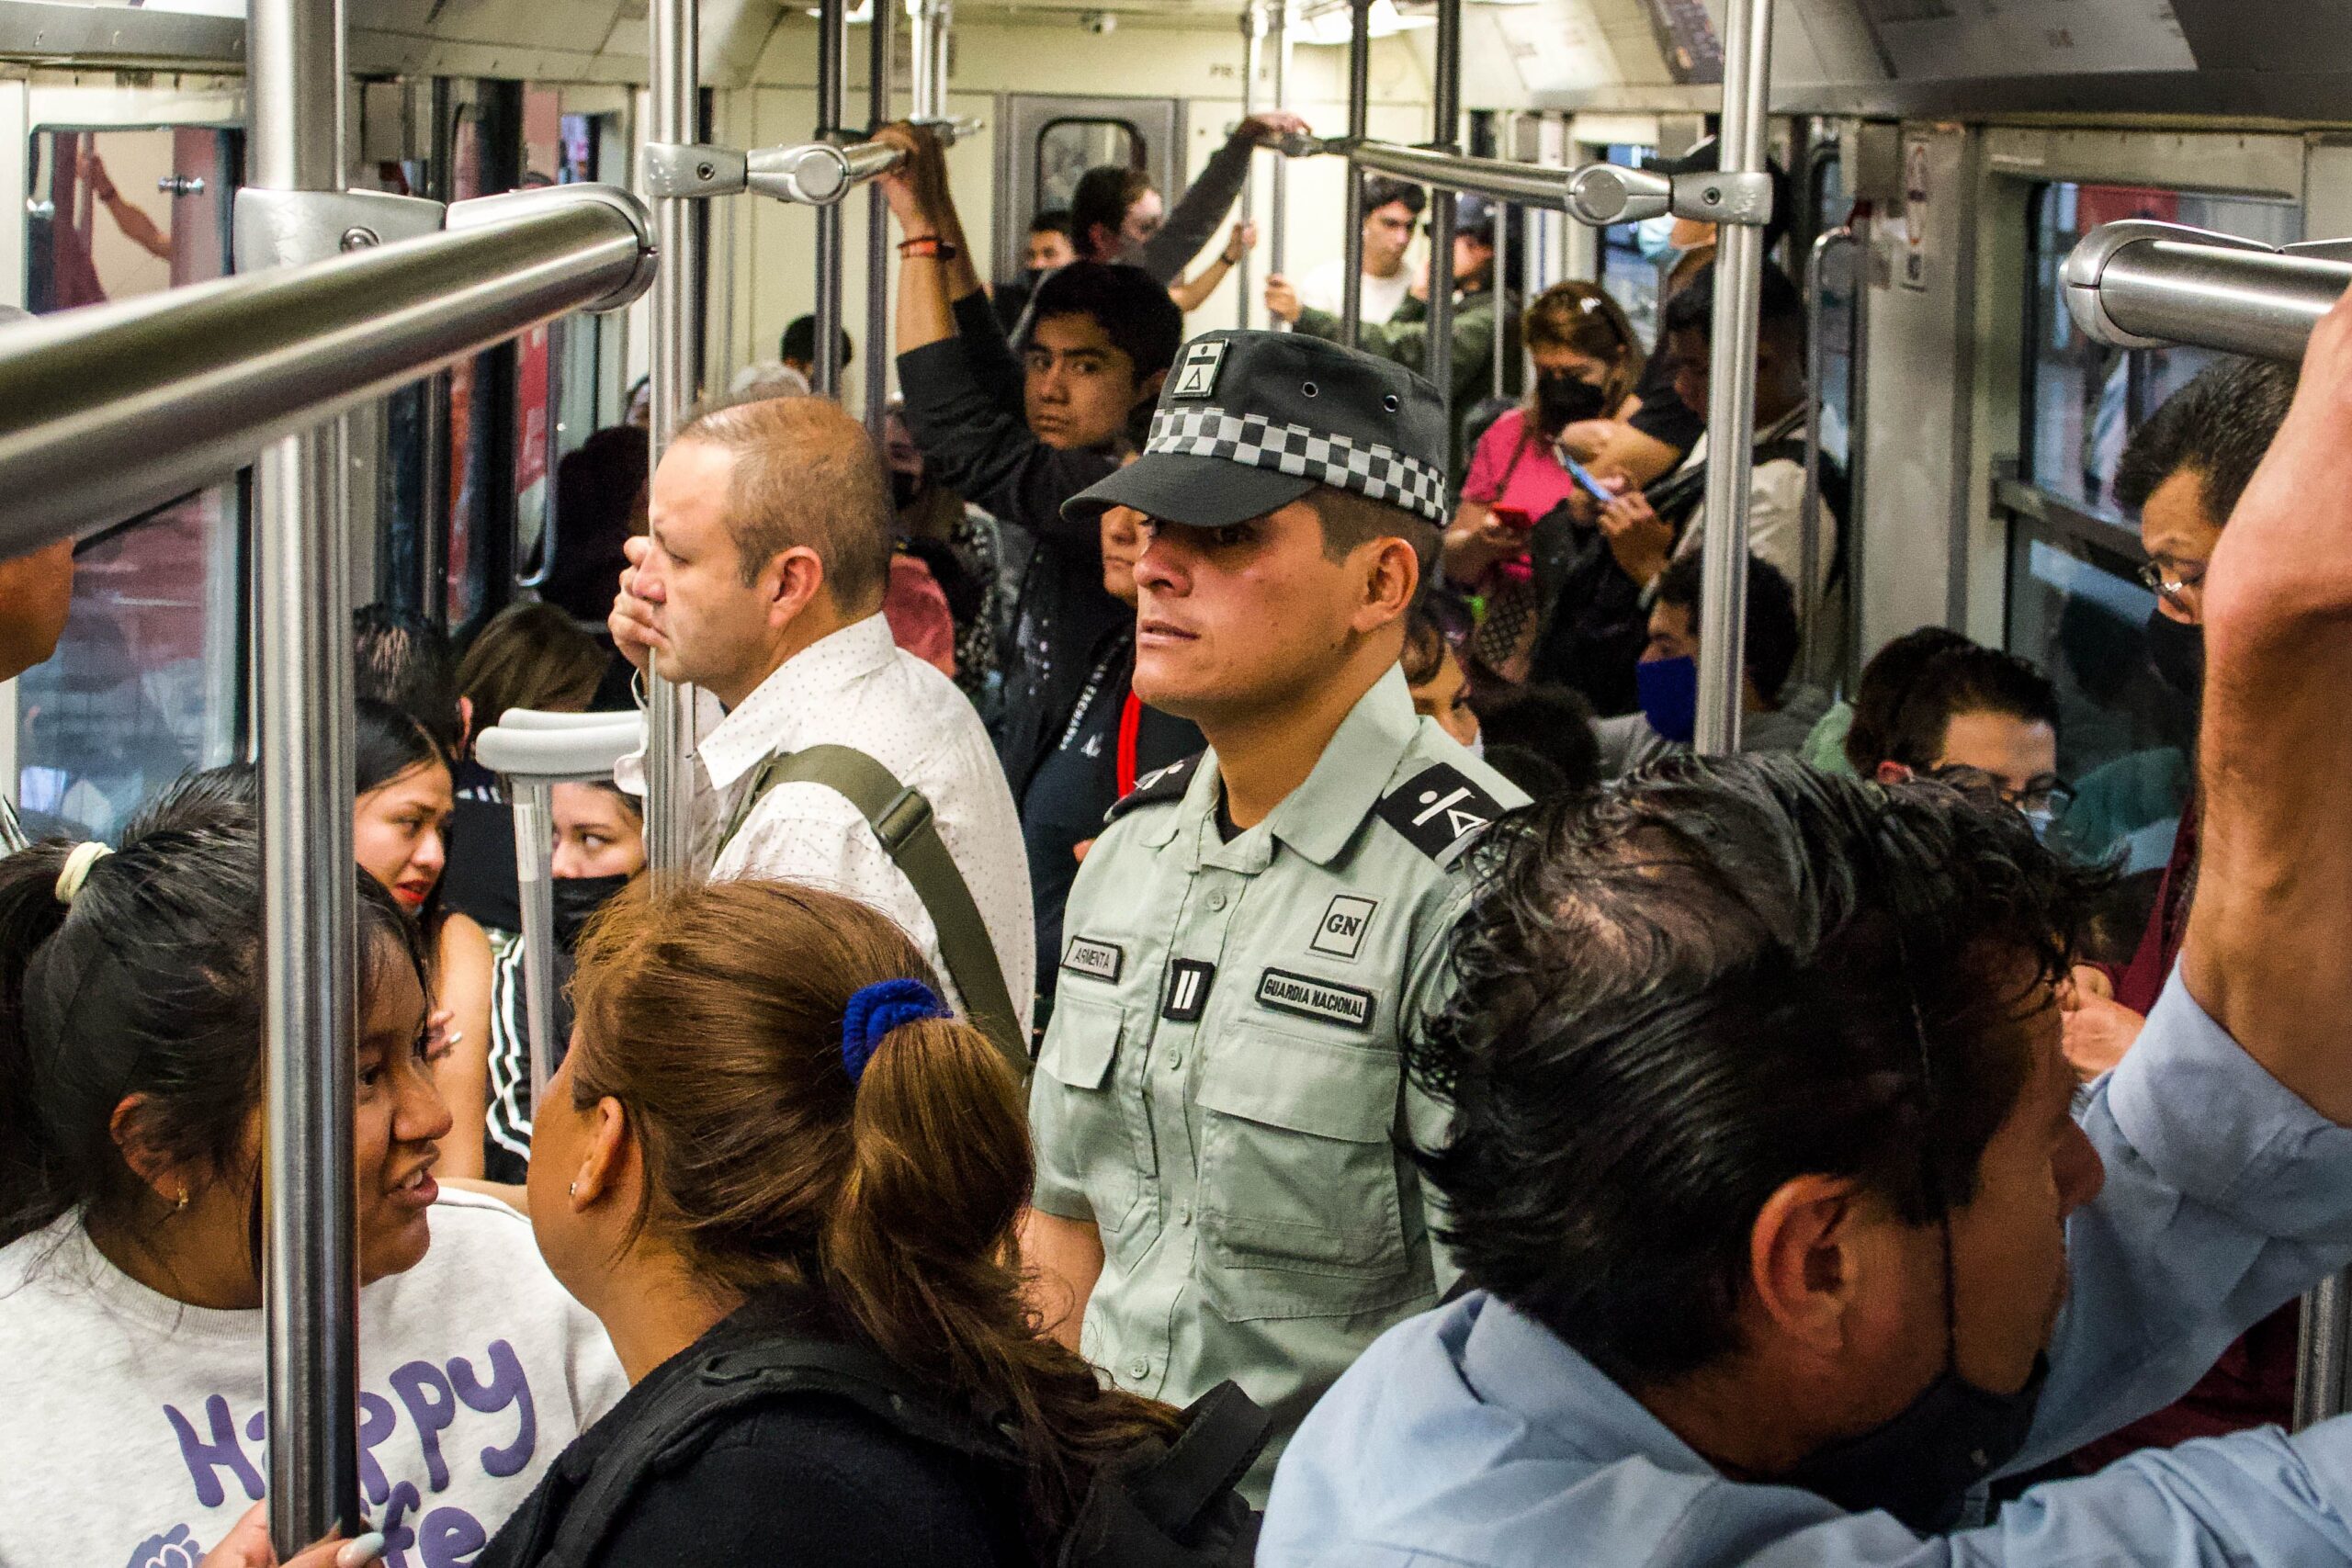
(932, 19)
(832, 93)
(1278, 219)
(1358, 110)
(669, 707)
(1816, 292)
(534, 836)
(1731, 385)
(2323, 1351)
(1253, 35)
(1498, 279)
(877, 230)
(1446, 95)
(310, 892)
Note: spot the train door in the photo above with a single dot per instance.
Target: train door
(129, 193)
(1045, 143)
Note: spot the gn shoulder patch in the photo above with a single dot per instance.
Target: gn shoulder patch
(1437, 809)
(1166, 785)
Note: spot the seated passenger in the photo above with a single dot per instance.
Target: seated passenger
(1648, 528)
(1116, 215)
(132, 1355)
(528, 656)
(399, 830)
(1776, 716)
(1111, 739)
(600, 496)
(1017, 439)
(761, 582)
(1851, 737)
(772, 1156)
(599, 849)
(1552, 723)
(1434, 676)
(1799, 1316)
(1587, 361)
(796, 349)
(1980, 720)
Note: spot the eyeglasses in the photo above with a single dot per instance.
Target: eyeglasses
(2042, 801)
(2172, 588)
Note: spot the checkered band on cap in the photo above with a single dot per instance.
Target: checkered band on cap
(1374, 471)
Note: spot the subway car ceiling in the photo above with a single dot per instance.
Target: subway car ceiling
(2241, 61)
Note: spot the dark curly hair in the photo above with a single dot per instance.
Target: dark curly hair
(1677, 995)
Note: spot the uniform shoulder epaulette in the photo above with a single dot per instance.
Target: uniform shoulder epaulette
(1167, 783)
(1437, 809)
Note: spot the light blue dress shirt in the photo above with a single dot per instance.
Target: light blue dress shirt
(1471, 1435)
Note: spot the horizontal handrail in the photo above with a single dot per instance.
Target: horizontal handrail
(809, 173)
(108, 410)
(1523, 185)
(551, 748)
(2146, 285)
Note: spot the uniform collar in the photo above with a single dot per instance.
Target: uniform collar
(774, 716)
(1511, 1362)
(1318, 818)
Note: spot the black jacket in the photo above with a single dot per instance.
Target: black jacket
(810, 1480)
(965, 409)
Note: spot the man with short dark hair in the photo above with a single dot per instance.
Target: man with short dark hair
(1391, 208)
(1776, 716)
(1117, 214)
(796, 349)
(1220, 1192)
(1784, 1231)
(761, 581)
(1047, 245)
(1984, 720)
(402, 659)
(1018, 438)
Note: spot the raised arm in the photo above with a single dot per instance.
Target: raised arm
(1192, 222)
(934, 264)
(2270, 932)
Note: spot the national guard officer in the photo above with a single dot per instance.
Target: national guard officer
(1223, 1188)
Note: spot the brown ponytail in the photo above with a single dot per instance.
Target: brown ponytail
(888, 1205)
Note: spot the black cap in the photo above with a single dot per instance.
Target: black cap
(1249, 421)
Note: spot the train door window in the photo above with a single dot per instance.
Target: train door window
(1067, 148)
(2087, 398)
(2076, 605)
(1839, 275)
(1632, 255)
(144, 683)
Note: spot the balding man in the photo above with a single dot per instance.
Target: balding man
(761, 582)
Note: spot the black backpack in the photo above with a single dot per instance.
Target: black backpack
(1172, 1506)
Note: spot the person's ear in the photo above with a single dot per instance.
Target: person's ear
(1392, 575)
(793, 578)
(464, 723)
(1815, 1244)
(609, 1165)
(1891, 772)
(158, 1171)
(1148, 389)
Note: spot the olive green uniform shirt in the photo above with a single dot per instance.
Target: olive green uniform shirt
(1220, 1091)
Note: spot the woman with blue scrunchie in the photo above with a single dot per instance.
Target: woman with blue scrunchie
(768, 1133)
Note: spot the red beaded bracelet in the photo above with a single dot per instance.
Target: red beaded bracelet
(929, 245)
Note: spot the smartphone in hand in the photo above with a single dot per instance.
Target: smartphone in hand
(1513, 517)
(1583, 476)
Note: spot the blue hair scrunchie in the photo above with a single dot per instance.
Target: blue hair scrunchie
(878, 1008)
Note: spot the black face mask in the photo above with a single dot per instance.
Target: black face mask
(1920, 1465)
(1562, 399)
(576, 898)
(2178, 651)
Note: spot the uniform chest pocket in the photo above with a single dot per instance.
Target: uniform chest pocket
(1299, 1206)
(1081, 1115)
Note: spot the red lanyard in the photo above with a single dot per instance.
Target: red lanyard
(1130, 722)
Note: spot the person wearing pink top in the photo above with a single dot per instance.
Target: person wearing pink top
(1588, 361)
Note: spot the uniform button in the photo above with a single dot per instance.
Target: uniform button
(1175, 1060)
(1217, 902)
(1184, 1214)
(1139, 1367)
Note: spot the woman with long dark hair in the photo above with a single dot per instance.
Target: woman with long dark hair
(131, 1351)
(769, 1131)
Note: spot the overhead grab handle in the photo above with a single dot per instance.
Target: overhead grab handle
(2146, 285)
(1601, 194)
(810, 174)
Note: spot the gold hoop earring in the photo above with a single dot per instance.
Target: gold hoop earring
(181, 1207)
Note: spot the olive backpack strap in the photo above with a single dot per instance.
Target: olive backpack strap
(902, 819)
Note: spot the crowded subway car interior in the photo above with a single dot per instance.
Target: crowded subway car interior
(1020, 783)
